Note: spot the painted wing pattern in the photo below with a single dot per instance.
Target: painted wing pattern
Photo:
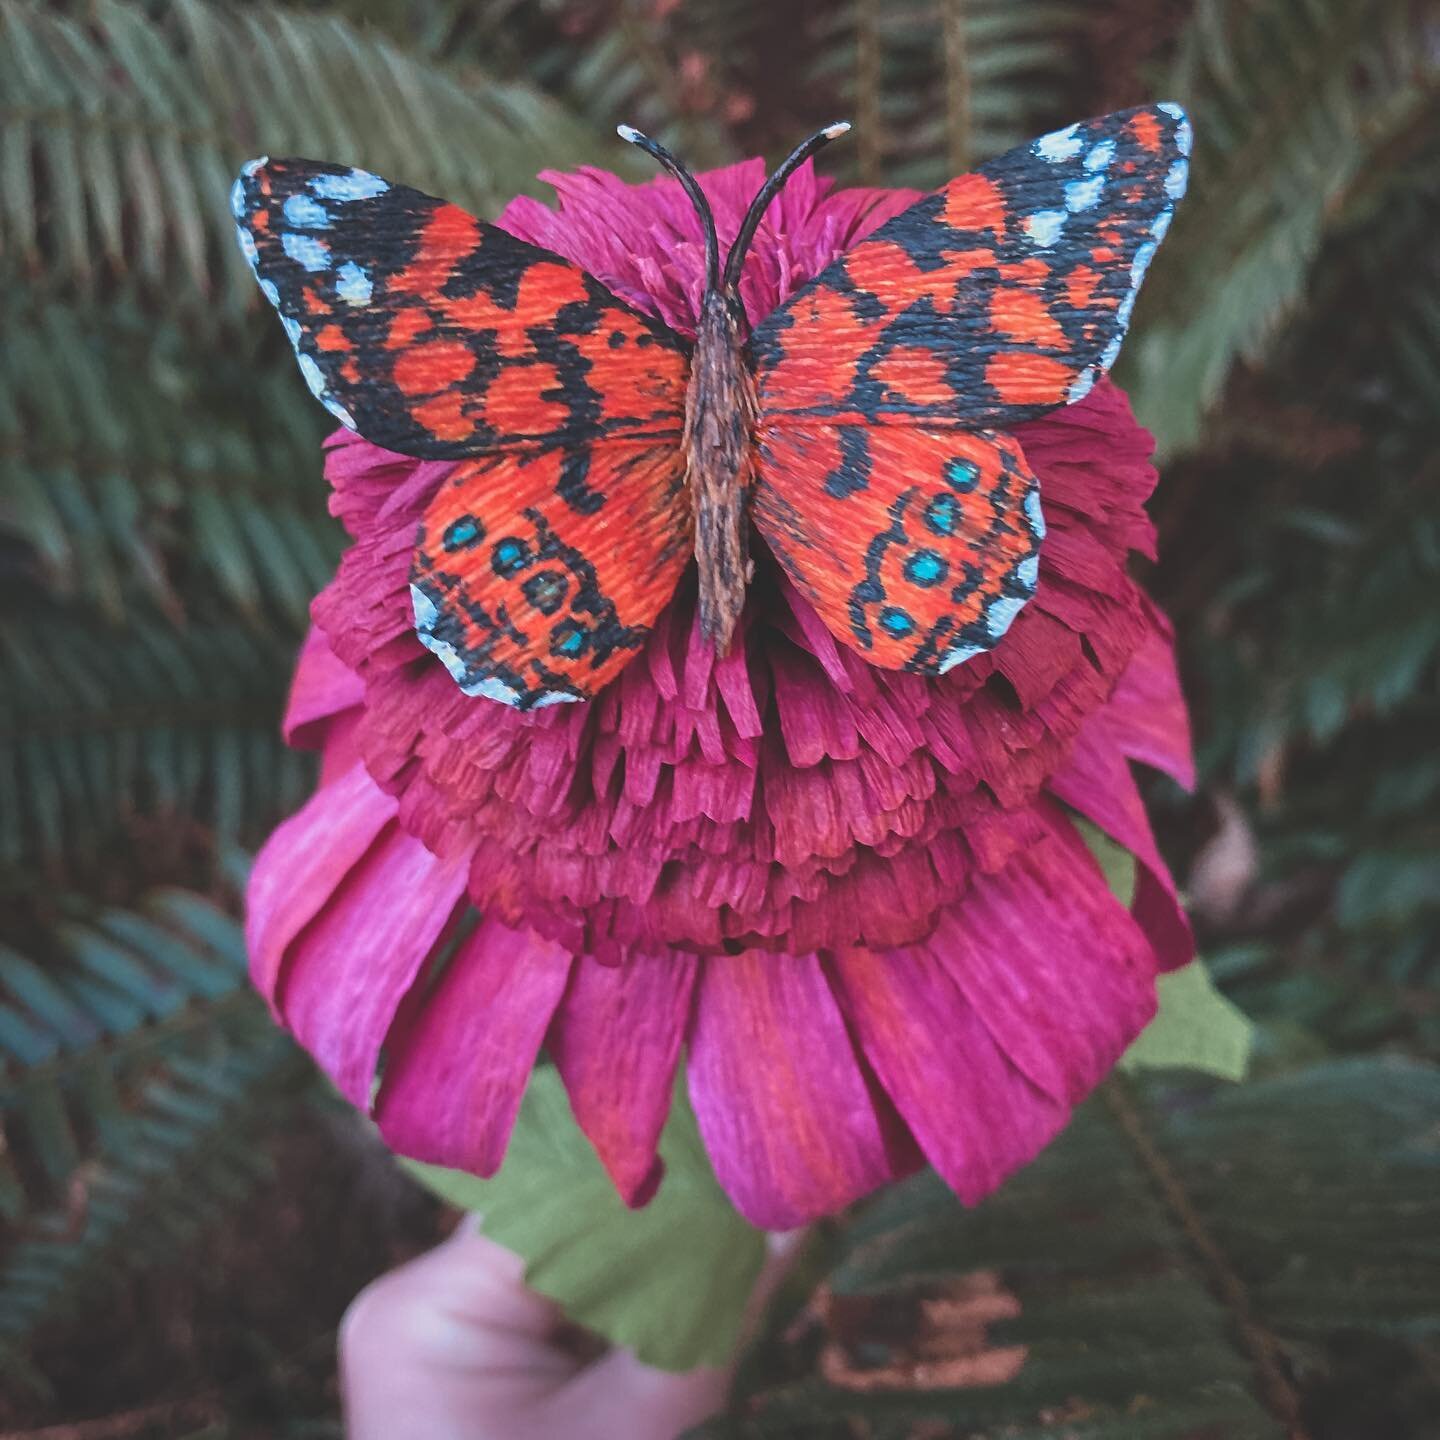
(518, 595)
(885, 484)
(433, 334)
(950, 549)
(983, 305)
(1001, 296)
(548, 553)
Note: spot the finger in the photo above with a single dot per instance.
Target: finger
(432, 1347)
(621, 1395)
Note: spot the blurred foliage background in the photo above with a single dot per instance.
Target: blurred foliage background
(184, 1210)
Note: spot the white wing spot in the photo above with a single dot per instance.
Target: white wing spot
(424, 607)
(247, 245)
(1044, 226)
(959, 655)
(1059, 145)
(307, 251)
(1184, 131)
(1176, 179)
(1082, 194)
(1100, 156)
(314, 376)
(1002, 612)
(1080, 386)
(307, 214)
(353, 185)
(1139, 265)
(1034, 515)
(338, 411)
(353, 285)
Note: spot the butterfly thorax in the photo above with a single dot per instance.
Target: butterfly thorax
(720, 418)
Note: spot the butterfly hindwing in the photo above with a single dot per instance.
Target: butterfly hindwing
(435, 335)
(993, 300)
(528, 599)
(916, 546)
(548, 552)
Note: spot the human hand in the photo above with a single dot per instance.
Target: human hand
(453, 1346)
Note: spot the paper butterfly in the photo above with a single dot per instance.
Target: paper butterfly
(861, 429)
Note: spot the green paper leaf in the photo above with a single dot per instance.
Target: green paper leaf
(1197, 1028)
(669, 1281)
(1115, 861)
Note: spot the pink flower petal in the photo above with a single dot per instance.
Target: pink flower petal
(975, 1113)
(457, 1064)
(1147, 715)
(304, 862)
(778, 1091)
(1053, 965)
(1097, 782)
(616, 1041)
(323, 686)
(348, 972)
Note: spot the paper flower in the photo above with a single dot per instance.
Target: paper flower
(853, 900)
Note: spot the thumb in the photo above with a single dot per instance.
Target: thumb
(621, 1395)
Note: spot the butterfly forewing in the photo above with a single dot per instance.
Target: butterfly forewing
(993, 300)
(436, 335)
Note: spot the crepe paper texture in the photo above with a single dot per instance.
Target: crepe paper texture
(853, 895)
(861, 428)
(671, 1282)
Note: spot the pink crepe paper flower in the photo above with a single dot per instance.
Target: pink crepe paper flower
(854, 898)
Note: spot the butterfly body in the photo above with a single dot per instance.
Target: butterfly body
(721, 415)
(861, 431)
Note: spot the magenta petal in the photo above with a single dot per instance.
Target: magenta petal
(350, 969)
(1146, 715)
(975, 1113)
(1054, 965)
(304, 862)
(1096, 782)
(616, 1041)
(456, 1065)
(323, 686)
(778, 1092)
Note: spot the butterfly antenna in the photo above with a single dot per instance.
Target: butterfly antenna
(772, 187)
(657, 151)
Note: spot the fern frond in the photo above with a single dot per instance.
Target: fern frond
(953, 82)
(136, 456)
(1293, 106)
(137, 1069)
(120, 134)
(184, 1155)
(105, 996)
(679, 72)
(152, 727)
(1165, 1269)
